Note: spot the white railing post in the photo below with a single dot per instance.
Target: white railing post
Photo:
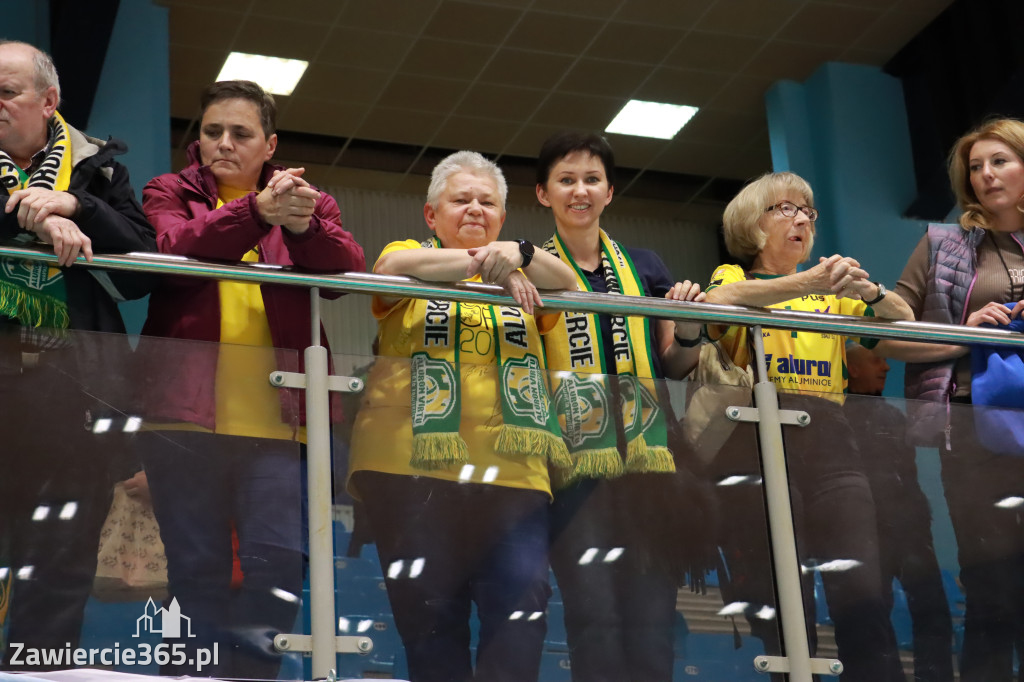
(321, 528)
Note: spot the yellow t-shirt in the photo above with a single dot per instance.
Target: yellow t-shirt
(382, 434)
(798, 362)
(247, 405)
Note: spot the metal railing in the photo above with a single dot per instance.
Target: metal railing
(408, 287)
(322, 641)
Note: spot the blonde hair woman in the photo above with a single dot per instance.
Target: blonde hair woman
(770, 227)
(969, 274)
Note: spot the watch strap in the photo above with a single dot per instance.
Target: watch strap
(881, 294)
(527, 250)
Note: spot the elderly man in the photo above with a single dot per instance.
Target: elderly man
(65, 189)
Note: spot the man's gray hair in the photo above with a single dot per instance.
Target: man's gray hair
(45, 71)
(464, 162)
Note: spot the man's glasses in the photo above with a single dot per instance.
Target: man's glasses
(790, 210)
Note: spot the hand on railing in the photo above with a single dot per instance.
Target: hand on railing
(522, 290)
(686, 291)
(67, 240)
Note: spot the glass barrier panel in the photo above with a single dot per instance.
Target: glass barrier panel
(145, 526)
(452, 554)
(881, 507)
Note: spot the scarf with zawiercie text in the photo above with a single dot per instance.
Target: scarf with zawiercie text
(529, 425)
(34, 293)
(583, 397)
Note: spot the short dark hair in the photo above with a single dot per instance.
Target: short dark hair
(560, 145)
(264, 101)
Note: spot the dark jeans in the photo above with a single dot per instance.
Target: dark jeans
(444, 546)
(836, 529)
(56, 470)
(620, 608)
(904, 530)
(990, 540)
(201, 484)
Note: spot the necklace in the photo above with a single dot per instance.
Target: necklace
(1013, 286)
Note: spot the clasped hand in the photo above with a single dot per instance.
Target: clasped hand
(842, 276)
(288, 200)
(498, 263)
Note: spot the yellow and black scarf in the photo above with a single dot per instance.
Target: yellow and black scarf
(33, 293)
(583, 397)
(529, 425)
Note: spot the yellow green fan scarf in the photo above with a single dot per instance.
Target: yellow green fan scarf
(583, 397)
(34, 293)
(529, 425)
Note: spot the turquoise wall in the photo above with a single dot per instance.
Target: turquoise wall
(133, 104)
(26, 21)
(845, 131)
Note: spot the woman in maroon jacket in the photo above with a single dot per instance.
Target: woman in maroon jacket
(225, 451)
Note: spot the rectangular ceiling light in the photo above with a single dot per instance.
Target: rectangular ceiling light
(276, 75)
(651, 119)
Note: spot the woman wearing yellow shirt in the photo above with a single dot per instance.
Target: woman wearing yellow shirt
(451, 448)
(769, 228)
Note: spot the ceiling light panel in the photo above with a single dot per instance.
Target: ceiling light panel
(276, 75)
(651, 119)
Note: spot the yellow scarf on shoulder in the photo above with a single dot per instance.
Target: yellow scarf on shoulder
(34, 293)
(584, 399)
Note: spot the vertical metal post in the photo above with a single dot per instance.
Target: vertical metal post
(780, 519)
(318, 467)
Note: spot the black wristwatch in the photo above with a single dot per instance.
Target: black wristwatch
(689, 343)
(527, 249)
(881, 294)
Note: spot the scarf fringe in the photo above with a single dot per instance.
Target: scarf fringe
(641, 458)
(32, 310)
(598, 463)
(516, 440)
(438, 450)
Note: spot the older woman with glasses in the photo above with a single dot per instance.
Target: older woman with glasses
(769, 228)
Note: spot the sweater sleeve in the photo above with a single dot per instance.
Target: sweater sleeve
(912, 284)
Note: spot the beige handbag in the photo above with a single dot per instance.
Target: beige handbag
(719, 383)
(131, 563)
